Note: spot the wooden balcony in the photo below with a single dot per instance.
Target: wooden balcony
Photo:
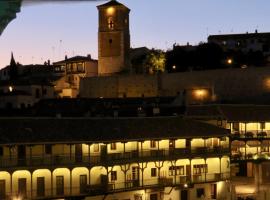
(63, 160)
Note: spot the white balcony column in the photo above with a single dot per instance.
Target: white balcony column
(142, 167)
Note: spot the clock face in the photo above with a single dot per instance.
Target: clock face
(110, 44)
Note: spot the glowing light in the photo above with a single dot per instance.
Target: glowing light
(17, 198)
(185, 185)
(174, 67)
(229, 61)
(110, 11)
(10, 88)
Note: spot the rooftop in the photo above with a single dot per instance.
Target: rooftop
(58, 130)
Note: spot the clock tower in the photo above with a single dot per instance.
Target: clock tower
(113, 38)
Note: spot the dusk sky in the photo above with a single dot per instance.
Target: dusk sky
(36, 34)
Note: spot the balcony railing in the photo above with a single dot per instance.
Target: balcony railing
(250, 156)
(113, 158)
(111, 187)
(257, 134)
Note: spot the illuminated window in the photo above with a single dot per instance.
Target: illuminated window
(114, 176)
(153, 172)
(176, 170)
(153, 144)
(113, 146)
(110, 23)
(200, 169)
(96, 147)
(219, 122)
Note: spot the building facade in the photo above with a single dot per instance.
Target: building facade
(132, 158)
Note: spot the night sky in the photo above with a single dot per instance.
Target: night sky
(49, 31)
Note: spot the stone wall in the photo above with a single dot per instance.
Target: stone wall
(222, 85)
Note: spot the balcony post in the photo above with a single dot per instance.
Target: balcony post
(245, 150)
(205, 170)
(70, 179)
(31, 184)
(70, 152)
(30, 146)
(52, 183)
(89, 157)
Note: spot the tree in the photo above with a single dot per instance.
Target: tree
(155, 62)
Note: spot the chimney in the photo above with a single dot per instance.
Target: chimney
(89, 56)
(66, 57)
(49, 62)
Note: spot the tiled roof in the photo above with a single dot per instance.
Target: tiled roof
(111, 3)
(42, 130)
(75, 59)
(243, 113)
(246, 113)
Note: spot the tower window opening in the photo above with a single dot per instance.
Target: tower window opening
(110, 23)
(110, 41)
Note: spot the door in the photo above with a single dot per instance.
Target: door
(22, 187)
(184, 195)
(83, 183)
(78, 153)
(2, 189)
(59, 185)
(153, 196)
(21, 155)
(40, 186)
(213, 191)
(136, 176)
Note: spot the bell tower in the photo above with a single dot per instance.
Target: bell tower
(113, 38)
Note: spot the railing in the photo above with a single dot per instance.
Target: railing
(257, 134)
(250, 156)
(111, 187)
(113, 158)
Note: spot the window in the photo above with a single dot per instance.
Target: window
(199, 169)
(110, 23)
(2, 189)
(114, 176)
(48, 149)
(219, 122)
(40, 186)
(153, 172)
(96, 147)
(176, 170)
(153, 196)
(113, 146)
(200, 192)
(59, 185)
(83, 183)
(262, 125)
(153, 144)
(80, 67)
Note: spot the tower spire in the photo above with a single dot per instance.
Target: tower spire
(13, 71)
